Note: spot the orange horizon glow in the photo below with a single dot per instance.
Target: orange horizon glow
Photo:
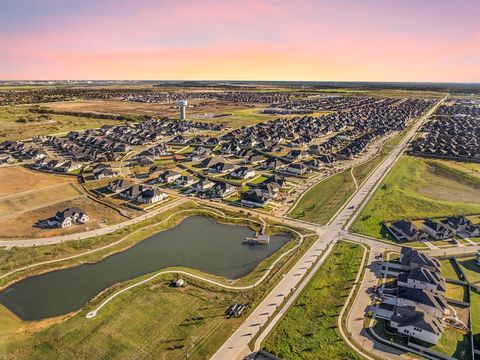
(346, 40)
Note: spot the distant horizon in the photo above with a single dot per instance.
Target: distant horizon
(243, 81)
(259, 40)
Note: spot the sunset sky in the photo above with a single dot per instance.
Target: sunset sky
(357, 40)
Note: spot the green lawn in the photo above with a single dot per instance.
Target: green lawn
(475, 311)
(449, 269)
(457, 292)
(470, 268)
(452, 343)
(309, 329)
(323, 200)
(258, 180)
(419, 188)
(152, 321)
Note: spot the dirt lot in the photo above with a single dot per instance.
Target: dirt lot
(17, 179)
(23, 225)
(35, 199)
(199, 110)
(27, 197)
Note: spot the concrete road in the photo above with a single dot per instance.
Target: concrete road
(236, 347)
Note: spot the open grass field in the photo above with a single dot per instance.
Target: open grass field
(199, 110)
(17, 123)
(323, 200)
(309, 328)
(240, 114)
(146, 322)
(419, 188)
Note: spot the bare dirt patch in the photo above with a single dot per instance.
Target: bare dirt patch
(17, 179)
(23, 225)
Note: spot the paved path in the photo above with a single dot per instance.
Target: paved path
(94, 312)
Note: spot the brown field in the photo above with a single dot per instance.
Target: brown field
(36, 124)
(17, 179)
(199, 110)
(39, 198)
(23, 225)
(27, 197)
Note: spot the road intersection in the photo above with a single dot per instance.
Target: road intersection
(264, 317)
(237, 346)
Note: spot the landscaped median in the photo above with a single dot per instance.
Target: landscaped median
(309, 328)
(320, 203)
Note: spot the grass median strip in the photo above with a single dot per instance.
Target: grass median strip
(309, 329)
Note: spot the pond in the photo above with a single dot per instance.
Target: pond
(197, 242)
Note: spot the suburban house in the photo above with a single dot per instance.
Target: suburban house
(297, 168)
(118, 185)
(243, 172)
(203, 184)
(221, 167)
(428, 302)
(276, 179)
(424, 279)
(462, 226)
(132, 192)
(212, 161)
(274, 164)
(438, 230)
(218, 191)
(256, 159)
(185, 180)
(68, 166)
(406, 231)
(411, 259)
(199, 153)
(417, 306)
(6, 159)
(417, 324)
(151, 196)
(68, 217)
(269, 190)
(168, 176)
(102, 171)
(254, 198)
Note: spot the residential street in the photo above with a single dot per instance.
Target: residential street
(236, 347)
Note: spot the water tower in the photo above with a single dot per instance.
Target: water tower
(182, 104)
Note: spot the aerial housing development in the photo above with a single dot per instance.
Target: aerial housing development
(239, 180)
(156, 181)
